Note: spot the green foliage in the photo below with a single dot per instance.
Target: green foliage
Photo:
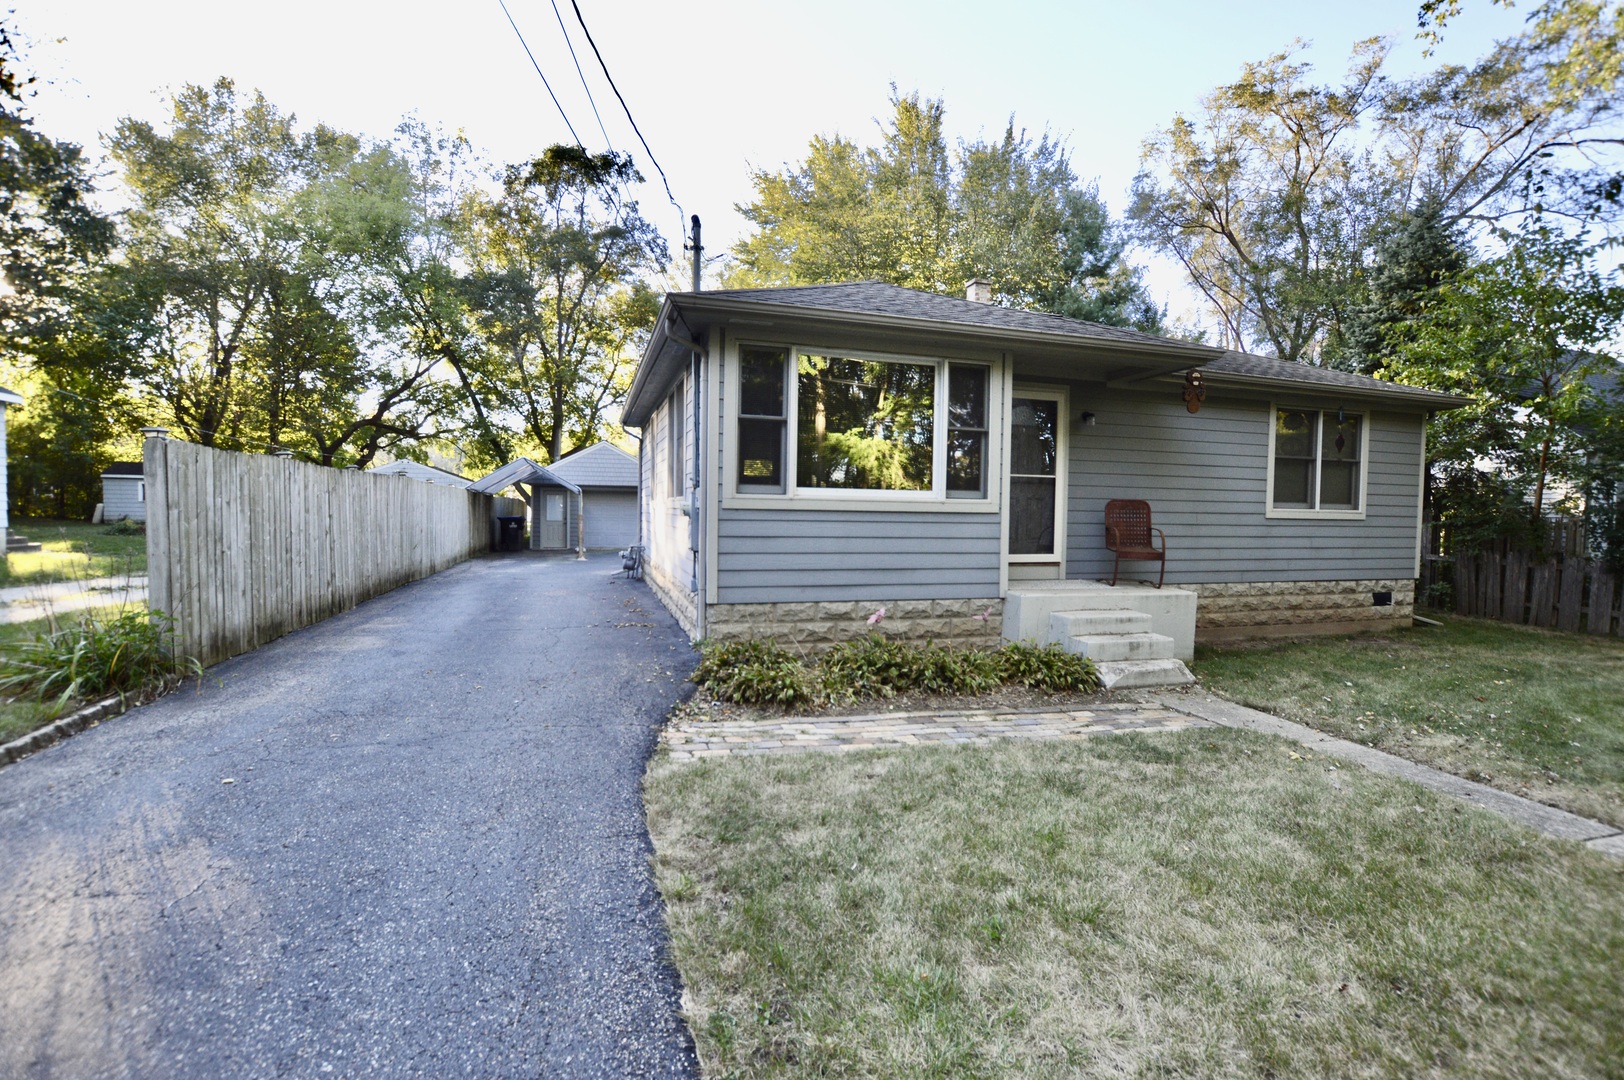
(914, 213)
(1046, 667)
(1277, 196)
(1526, 334)
(127, 527)
(126, 654)
(752, 673)
(875, 666)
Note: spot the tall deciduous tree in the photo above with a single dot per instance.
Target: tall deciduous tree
(1527, 334)
(558, 262)
(915, 213)
(1276, 197)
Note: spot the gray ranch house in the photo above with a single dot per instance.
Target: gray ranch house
(811, 455)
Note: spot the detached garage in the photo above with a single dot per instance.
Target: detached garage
(590, 492)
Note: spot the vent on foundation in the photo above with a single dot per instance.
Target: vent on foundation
(1381, 599)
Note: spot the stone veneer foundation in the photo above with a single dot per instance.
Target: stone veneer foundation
(1285, 608)
(816, 625)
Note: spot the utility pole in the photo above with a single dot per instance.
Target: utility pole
(699, 252)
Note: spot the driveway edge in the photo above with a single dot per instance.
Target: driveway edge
(1548, 820)
(56, 731)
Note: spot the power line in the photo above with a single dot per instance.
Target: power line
(537, 66)
(590, 100)
(580, 19)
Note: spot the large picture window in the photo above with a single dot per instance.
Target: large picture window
(817, 422)
(1318, 461)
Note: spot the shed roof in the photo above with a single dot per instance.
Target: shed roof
(123, 468)
(599, 465)
(520, 471)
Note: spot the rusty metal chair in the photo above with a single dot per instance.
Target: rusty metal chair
(1128, 533)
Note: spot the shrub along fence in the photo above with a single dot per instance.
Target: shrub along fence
(1570, 593)
(243, 548)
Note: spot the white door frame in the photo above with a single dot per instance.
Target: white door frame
(1030, 566)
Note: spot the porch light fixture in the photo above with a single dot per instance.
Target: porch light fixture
(1086, 419)
(1194, 392)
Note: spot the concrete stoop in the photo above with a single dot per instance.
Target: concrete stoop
(1138, 637)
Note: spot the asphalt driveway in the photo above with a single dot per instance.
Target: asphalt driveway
(407, 841)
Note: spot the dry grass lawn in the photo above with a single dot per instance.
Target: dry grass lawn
(1200, 904)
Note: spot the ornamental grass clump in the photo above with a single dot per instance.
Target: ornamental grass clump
(126, 654)
(752, 673)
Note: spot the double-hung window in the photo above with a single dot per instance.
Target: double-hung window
(817, 422)
(1317, 463)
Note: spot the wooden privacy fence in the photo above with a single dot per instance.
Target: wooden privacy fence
(1568, 594)
(243, 548)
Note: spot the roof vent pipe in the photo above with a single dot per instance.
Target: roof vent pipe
(978, 291)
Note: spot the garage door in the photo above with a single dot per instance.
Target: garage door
(611, 519)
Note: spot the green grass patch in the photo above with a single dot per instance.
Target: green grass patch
(74, 551)
(1199, 904)
(1532, 711)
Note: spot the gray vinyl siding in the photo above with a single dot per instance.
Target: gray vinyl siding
(791, 556)
(121, 498)
(1205, 476)
(611, 520)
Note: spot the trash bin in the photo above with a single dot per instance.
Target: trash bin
(510, 533)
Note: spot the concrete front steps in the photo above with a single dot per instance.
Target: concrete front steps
(1125, 651)
(1138, 637)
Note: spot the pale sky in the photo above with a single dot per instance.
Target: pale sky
(718, 88)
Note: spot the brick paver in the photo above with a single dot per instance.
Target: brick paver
(691, 740)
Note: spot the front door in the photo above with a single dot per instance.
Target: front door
(1037, 483)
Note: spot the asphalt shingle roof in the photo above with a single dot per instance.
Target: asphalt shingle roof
(599, 465)
(880, 298)
(123, 468)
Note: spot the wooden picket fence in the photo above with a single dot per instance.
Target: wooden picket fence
(243, 548)
(1571, 593)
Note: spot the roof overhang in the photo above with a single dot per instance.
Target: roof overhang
(1386, 393)
(8, 397)
(686, 319)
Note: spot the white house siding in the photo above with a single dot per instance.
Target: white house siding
(668, 562)
(121, 498)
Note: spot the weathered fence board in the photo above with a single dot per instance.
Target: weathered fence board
(1571, 594)
(244, 548)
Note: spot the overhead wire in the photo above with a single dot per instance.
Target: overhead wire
(543, 75)
(589, 98)
(627, 109)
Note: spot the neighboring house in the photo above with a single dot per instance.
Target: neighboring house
(812, 454)
(124, 492)
(418, 471)
(7, 398)
(590, 492)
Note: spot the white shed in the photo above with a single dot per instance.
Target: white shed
(124, 492)
(418, 471)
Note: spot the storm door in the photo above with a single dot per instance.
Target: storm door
(1037, 477)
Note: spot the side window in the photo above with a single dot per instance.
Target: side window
(1317, 460)
(966, 431)
(761, 418)
(676, 445)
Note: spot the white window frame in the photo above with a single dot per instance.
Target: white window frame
(1305, 513)
(676, 441)
(936, 499)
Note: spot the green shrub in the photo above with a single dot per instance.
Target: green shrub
(873, 666)
(1046, 667)
(752, 673)
(959, 671)
(127, 655)
(127, 527)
